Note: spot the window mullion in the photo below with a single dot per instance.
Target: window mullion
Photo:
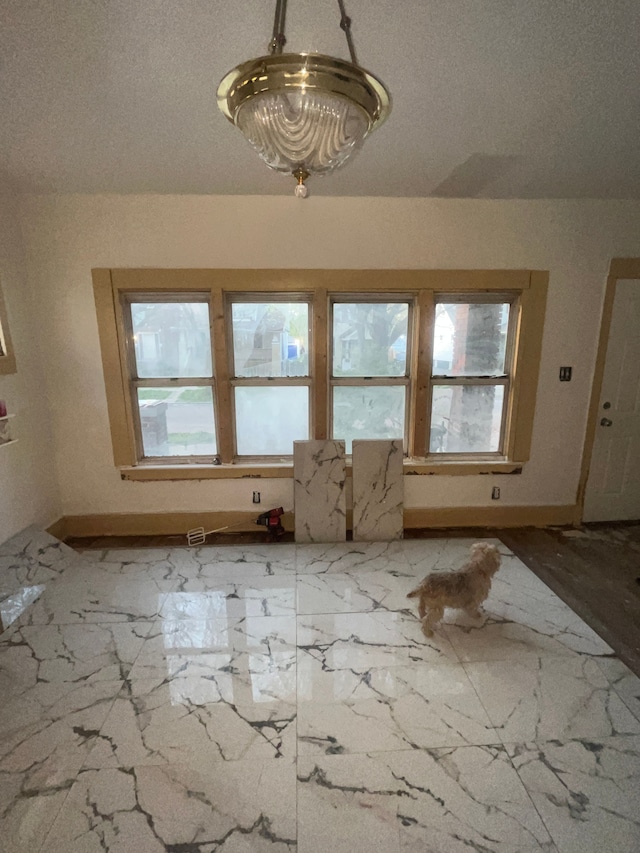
(420, 416)
(443, 379)
(220, 317)
(178, 382)
(319, 366)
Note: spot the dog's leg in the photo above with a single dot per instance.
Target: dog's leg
(422, 607)
(474, 611)
(431, 619)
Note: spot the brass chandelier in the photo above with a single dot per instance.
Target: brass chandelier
(304, 113)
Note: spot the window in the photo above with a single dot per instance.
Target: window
(370, 368)
(7, 358)
(471, 371)
(170, 375)
(224, 369)
(270, 375)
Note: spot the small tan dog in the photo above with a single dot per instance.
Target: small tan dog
(464, 589)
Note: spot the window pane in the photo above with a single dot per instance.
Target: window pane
(269, 420)
(171, 339)
(370, 339)
(469, 338)
(177, 421)
(270, 338)
(368, 412)
(466, 418)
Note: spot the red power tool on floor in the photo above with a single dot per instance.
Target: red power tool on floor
(271, 520)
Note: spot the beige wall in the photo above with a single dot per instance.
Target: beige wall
(66, 236)
(28, 490)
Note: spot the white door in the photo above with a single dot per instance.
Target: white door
(613, 487)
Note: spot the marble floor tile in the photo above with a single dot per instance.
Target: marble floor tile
(624, 682)
(41, 654)
(71, 601)
(352, 557)
(157, 700)
(33, 558)
(484, 640)
(28, 810)
(353, 593)
(550, 697)
(164, 720)
(228, 562)
(160, 564)
(586, 791)
(429, 555)
(176, 646)
(344, 711)
(46, 735)
(200, 598)
(231, 676)
(543, 613)
(364, 640)
(180, 808)
(436, 800)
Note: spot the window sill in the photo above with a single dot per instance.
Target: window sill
(283, 470)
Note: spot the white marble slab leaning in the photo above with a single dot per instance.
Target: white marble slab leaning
(378, 490)
(319, 471)
(28, 562)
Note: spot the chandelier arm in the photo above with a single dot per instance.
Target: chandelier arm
(278, 40)
(345, 25)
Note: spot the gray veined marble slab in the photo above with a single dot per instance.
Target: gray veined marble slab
(33, 557)
(387, 708)
(168, 720)
(90, 599)
(353, 593)
(549, 698)
(29, 561)
(432, 801)
(625, 683)
(199, 598)
(41, 654)
(319, 471)
(587, 791)
(378, 491)
(251, 808)
(353, 558)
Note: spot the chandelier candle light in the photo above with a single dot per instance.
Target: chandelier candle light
(304, 113)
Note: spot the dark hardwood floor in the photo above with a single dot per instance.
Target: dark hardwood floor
(595, 569)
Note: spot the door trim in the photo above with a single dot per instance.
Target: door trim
(620, 268)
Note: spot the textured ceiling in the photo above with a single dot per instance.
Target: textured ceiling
(491, 98)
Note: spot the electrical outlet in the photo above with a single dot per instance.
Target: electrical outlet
(565, 374)
(256, 497)
(495, 493)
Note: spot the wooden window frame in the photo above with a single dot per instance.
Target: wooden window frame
(134, 381)
(504, 380)
(320, 286)
(7, 355)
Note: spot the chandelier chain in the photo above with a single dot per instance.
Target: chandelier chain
(278, 39)
(345, 25)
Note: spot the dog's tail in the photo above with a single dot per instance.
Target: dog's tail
(414, 592)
